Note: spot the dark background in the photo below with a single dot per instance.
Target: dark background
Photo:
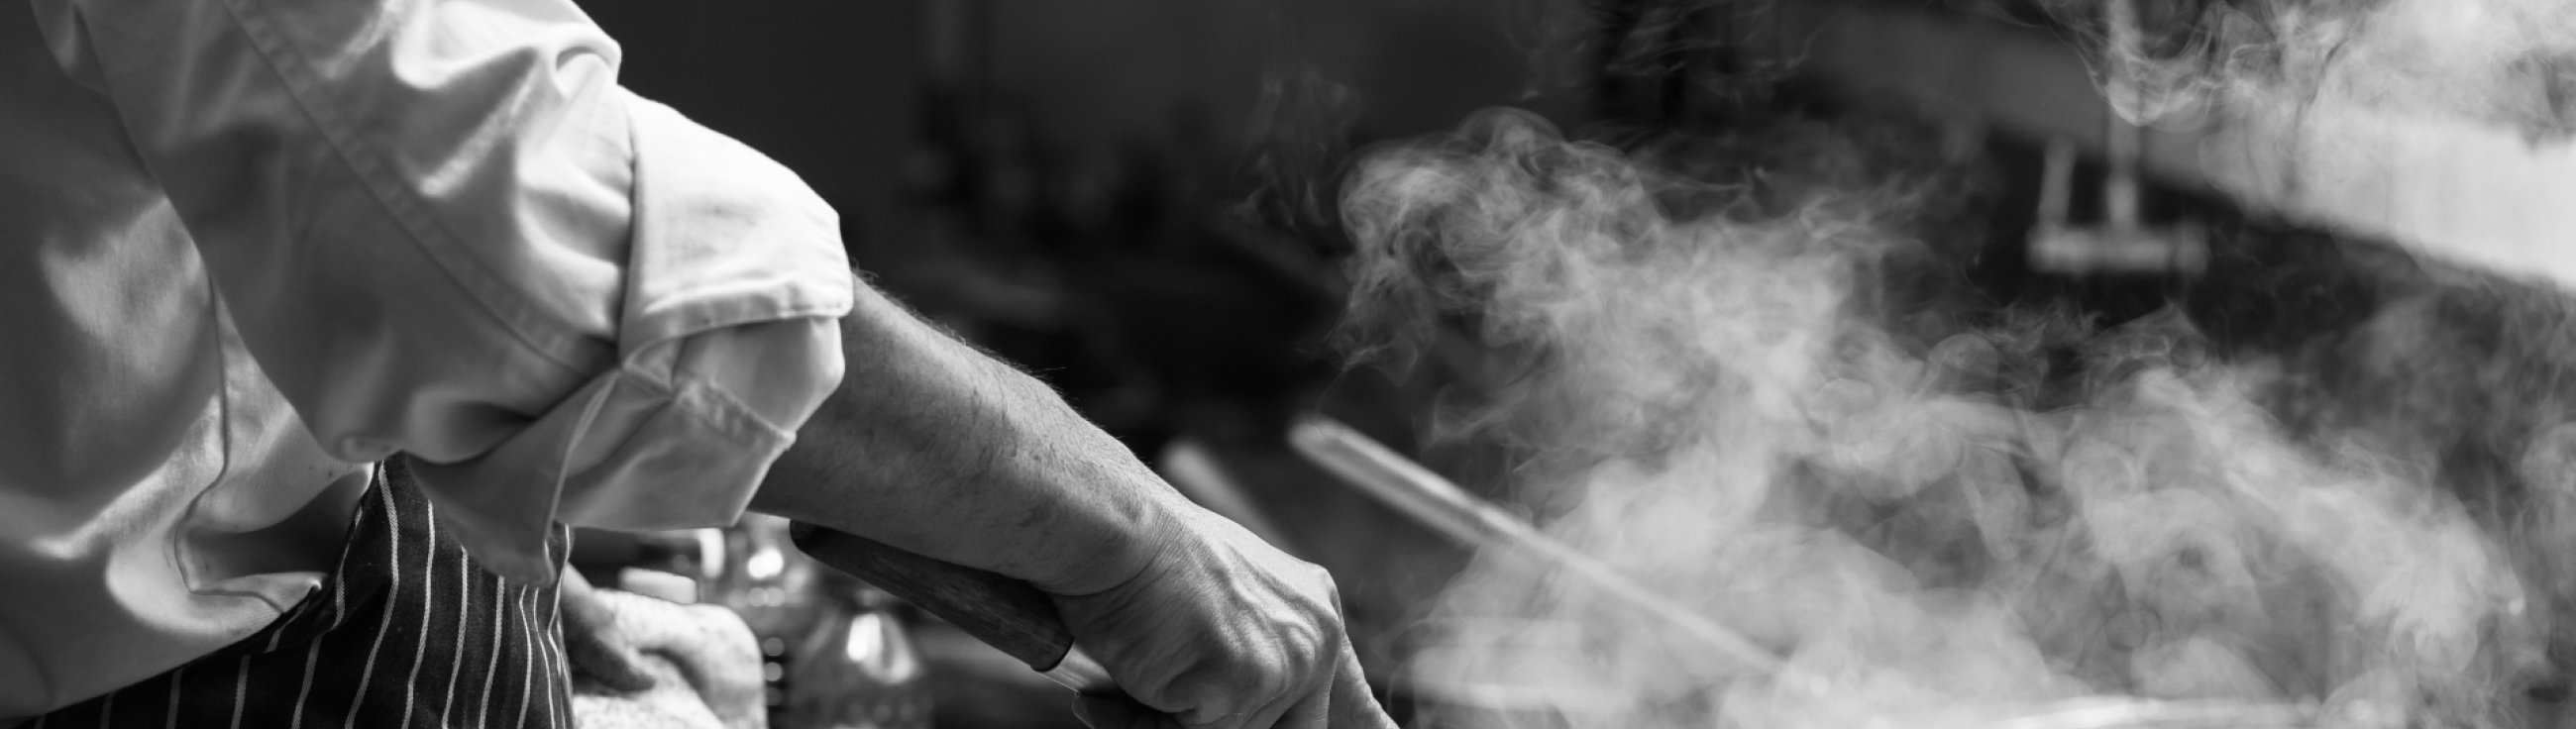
(1133, 200)
(1129, 199)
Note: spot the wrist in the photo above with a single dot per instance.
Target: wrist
(1143, 521)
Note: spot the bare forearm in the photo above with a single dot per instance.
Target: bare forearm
(935, 448)
(932, 447)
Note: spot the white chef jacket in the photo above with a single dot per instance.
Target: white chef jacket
(248, 246)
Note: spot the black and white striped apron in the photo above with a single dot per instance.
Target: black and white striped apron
(407, 632)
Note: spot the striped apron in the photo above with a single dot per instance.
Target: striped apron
(406, 632)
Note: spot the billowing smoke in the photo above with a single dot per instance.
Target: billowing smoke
(1772, 399)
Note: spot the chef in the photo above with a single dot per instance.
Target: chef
(324, 319)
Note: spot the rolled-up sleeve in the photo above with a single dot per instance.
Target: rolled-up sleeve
(442, 229)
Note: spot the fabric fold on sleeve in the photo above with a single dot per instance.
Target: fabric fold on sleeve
(444, 230)
(728, 341)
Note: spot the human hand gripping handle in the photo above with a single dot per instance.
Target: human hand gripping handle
(1197, 635)
(934, 448)
(1005, 613)
(1222, 631)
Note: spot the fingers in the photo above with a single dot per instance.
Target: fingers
(1344, 701)
(1354, 705)
(614, 669)
(1311, 712)
(1281, 710)
(1227, 634)
(1100, 712)
(1116, 714)
(1314, 710)
(597, 655)
(1214, 699)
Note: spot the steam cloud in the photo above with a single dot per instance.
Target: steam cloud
(1773, 402)
(2505, 63)
(2442, 125)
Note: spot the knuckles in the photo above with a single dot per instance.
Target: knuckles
(1227, 636)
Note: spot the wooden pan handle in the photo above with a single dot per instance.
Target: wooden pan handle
(1003, 612)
